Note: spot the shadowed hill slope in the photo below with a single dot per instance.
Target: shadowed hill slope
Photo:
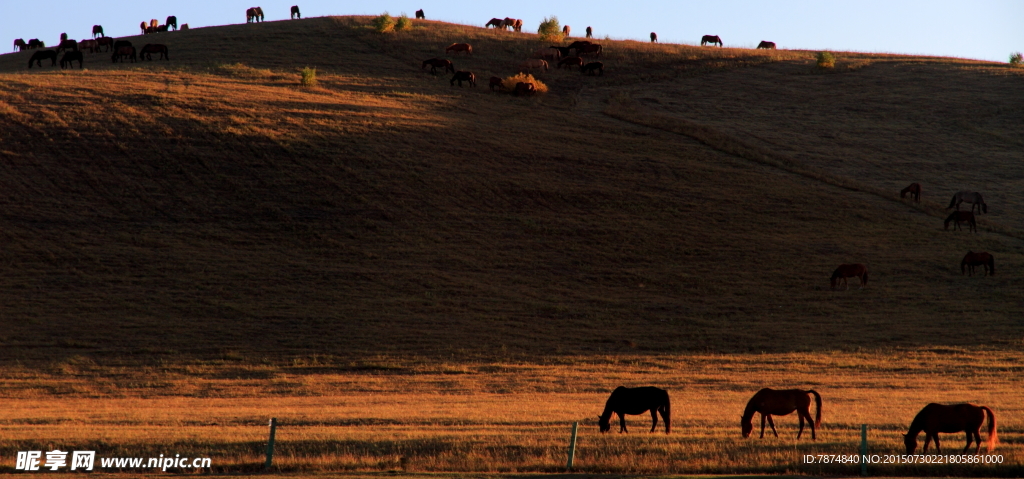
(688, 200)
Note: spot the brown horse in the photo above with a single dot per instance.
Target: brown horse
(508, 23)
(154, 22)
(590, 32)
(92, 45)
(459, 47)
(123, 53)
(576, 45)
(36, 43)
(983, 259)
(915, 191)
(958, 217)
(172, 22)
(518, 26)
(571, 61)
(525, 88)
(254, 14)
(936, 418)
(420, 15)
(592, 67)
(67, 44)
(849, 271)
(436, 63)
(565, 31)
(495, 22)
(97, 30)
(149, 49)
(625, 401)
(592, 48)
(461, 76)
(184, 27)
(780, 403)
(530, 65)
(69, 58)
(548, 54)
(712, 39)
(654, 37)
(496, 82)
(41, 55)
(295, 13)
(766, 45)
(20, 45)
(105, 41)
(972, 197)
(143, 26)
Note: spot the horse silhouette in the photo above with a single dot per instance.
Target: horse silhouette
(530, 65)
(97, 30)
(525, 88)
(518, 26)
(67, 44)
(590, 32)
(766, 45)
(915, 191)
(495, 22)
(39, 56)
(591, 67)
(69, 58)
(634, 401)
(254, 14)
(496, 82)
(420, 15)
(849, 271)
(123, 53)
(780, 403)
(143, 26)
(712, 39)
(20, 45)
(565, 31)
(654, 37)
(92, 45)
(958, 217)
(105, 41)
(571, 61)
(592, 48)
(983, 259)
(936, 418)
(459, 47)
(295, 13)
(972, 197)
(149, 49)
(172, 22)
(36, 43)
(436, 63)
(461, 76)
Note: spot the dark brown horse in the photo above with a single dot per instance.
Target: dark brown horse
(67, 44)
(972, 197)
(780, 403)
(436, 63)
(97, 30)
(123, 53)
(20, 45)
(590, 32)
(915, 191)
(565, 31)
(254, 14)
(766, 45)
(983, 259)
(105, 41)
(36, 43)
(41, 55)
(461, 76)
(592, 67)
(936, 418)
(518, 26)
(459, 47)
(172, 22)
(496, 82)
(712, 39)
(592, 48)
(420, 15)
(69, 58)
(845, 271)
(495, 22)
(576, 45)
(91, 45)
(571, 61)
(295, 13)
(562, 51)
(149, 49)
(958, 217)
(525, 88)
(625, 401)
(654, 37)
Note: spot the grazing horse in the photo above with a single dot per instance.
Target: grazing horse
(420, 15)
(548, 54)
(123, 53)
(254, 14)
(958, 217)
(592, 48)
(154, 23)
(20, 45)
(525, 88)
(143, 26)
(654, 37)
(172, 22)
(712, 39)
(972, 197)
(849, 271)
(67, 44)
(495, 22)
(92, 45)
(571, 61)
(915, 191)
(295, 12)
(461, 76)
(562, 51)
(97, 30)
(530, 65)
(508, 23)
(105, 41)
(63, 36)
(184, 27)
(565, 31)
(780, 403)
(496, 82)
(122, 43)
(518, 26)
(936, 418)
(149, 49)
(39, 56)
(436, 63)
(36, 43)
(983, 259)
(766, 45)
(591, 67)
(625, 401)
(459, 47)
(69, 58)
(590, 32)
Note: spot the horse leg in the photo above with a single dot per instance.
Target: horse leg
(968, 445)
(800, 415)
(927, 441)
(772, 424)
(622, 417)
(763, 416)
(938, 450)
(654, 418)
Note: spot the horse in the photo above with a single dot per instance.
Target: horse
(149, 49)
(577, 44)
(105, 41)
(495, 22)
(915, 191)
(547, 54)
(172, 21)
(63, 36)
(958, 217)
(459, 47)
(766, 45)
(972, 197)
(461, 76)
(525, 88)
(712, 39)
(590, 67)
(39, 56)
(36, 43)
(143, 27)
(849, 271)
(436, 63)
(562, 51)
(420, 15)
(496, 82)
(592, 48)
(532, 64)
(625, 401)
(294, 13)
(20, 45)
(590, 32)
(69, 58)
(67, 44)
(508, 23)
(184, 27)
(518, 26)
(254, 14)
(123, 53)
(983, 259)
(936, 418)
(654, 37)
(571, 61)
(92, 45)
(97, 30)
(565, 31)
(780, 403)
(121, 43)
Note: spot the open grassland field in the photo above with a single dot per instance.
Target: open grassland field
(413, 276)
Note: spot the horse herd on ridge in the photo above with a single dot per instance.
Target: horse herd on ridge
(932, 419)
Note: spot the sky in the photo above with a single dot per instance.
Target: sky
(977, 29)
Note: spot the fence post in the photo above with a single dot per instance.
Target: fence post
(863, 450)
(572, 446)
(270, 443)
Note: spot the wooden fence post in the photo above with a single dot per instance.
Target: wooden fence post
(270, 443)
(864, 450)
(572, 446)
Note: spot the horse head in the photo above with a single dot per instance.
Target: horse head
(746, 426)
(910, 442)
(604, 423)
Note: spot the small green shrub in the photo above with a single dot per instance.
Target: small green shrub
(384, 23)
(1016, 59)
(826, 60)
(403, 23)
(309, 76)
(549, 30)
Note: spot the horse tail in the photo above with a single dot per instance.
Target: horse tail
(993, 440)
(952, 202)
(817, 397)
(667, 416)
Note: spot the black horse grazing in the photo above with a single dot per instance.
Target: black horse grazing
(712, 39)
(39, 56)
(936, 418)
(295, 12)
(461, 76)
(590, 32)
(766, 45)
(436, 63)
(780, 403)
(172, 22)
(147, 51)
(915, 191)
(420, 15)
(636, 401)
(67, 44)
(36, 43)
(121, 43)
(69, 58)
(123, 53)
(97, 30)
(591, 67)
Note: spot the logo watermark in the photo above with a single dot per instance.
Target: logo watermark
(86, 460)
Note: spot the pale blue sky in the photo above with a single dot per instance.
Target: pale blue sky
(980, 29)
